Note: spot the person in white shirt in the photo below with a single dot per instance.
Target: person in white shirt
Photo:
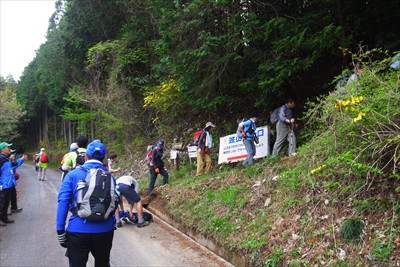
(110, 161)
(129, 188)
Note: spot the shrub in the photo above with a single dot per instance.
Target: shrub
(351, 229)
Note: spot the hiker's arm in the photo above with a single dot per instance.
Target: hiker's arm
(283, 115)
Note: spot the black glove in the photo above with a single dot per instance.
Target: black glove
(62, 238)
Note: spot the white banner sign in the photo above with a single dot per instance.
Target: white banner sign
(192, 150)
(231, 147)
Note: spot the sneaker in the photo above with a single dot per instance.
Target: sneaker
(119, 224)
(2, 223)
(130, 220)
(143, 224)
(16, 210)
(9, 221)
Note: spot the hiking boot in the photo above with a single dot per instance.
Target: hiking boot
(2, 223)
(119, 224)
(131, 220)
(143, 224)
(16, 210)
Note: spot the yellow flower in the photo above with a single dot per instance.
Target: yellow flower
(317, 169)
(359, 117)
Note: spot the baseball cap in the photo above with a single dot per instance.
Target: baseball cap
(96, 150)
(208, 124)
(160, 143)
(42, 149)
(73, 146)
(4, 144)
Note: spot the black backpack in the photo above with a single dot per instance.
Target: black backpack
(80, 158)
(98, 197)
(146, 217)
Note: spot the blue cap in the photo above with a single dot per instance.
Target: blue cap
(160, 143)
(96, 150)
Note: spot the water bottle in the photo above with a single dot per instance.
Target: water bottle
(79, 191)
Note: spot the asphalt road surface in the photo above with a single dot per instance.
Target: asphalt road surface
(32, 239)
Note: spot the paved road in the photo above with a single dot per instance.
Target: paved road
(32, 239)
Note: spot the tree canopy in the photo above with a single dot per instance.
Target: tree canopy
(161, 67)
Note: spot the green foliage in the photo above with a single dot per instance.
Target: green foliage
(10, 113)
(354, 126)
(276, 256)
(381, 251)
(228, 196)
(351, 229)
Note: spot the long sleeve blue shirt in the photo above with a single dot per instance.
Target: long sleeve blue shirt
(7, 179)
(66, 203)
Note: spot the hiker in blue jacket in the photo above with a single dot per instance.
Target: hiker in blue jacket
(7, 181)
(248, 130)
(82, 235)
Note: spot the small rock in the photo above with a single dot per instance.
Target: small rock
(326, 201)
(267, 202)
(295, 237)
(342, 254)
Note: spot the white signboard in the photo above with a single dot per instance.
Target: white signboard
(231, 147)
(173, 154)
(192, 151)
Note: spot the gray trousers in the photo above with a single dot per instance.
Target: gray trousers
(284, 131)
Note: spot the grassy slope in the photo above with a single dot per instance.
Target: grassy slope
(336, 203)
(286, 221)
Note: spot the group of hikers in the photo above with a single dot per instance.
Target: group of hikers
(94, 196)
(88, 191)
(285, 126)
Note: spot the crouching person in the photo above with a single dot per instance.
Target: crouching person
(91, 225)
(129, 188)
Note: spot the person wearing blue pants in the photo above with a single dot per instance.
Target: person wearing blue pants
(248, 130)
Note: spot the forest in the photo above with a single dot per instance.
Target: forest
(131, 72)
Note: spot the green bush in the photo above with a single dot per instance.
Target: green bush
(351, 229)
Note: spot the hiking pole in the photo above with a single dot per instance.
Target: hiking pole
(291, 138)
